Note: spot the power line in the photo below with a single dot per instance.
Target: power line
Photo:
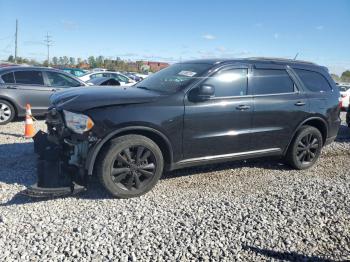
(48, 42)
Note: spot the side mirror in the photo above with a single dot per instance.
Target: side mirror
(202, 93)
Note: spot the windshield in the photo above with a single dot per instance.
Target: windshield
(174, 78)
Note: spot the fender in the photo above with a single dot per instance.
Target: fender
(301, 124)
(94, 151)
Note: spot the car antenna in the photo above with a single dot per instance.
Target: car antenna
(295, 57)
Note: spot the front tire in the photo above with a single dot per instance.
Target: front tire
(130, 166)
(7, 112)
(305, 148)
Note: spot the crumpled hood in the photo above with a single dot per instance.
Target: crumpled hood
(84, 98)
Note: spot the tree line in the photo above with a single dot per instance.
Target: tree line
(117, 64)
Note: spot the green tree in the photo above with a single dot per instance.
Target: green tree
(72, 61)
(345, 76)
(55, 61)
(60, 60)
(11, 59)
(92, 61)
(100, 61)
(65, 60)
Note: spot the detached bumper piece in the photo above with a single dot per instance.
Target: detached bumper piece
(55, 178)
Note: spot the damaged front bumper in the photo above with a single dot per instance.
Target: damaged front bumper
(61, 160)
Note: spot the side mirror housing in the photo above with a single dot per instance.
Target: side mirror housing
(202, 93)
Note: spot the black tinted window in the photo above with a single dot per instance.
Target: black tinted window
(57, 79)
(232, 82)
(8, 78)
(271, 81)
(313, 81)
(29, 77)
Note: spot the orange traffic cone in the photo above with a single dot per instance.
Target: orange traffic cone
(29, 126)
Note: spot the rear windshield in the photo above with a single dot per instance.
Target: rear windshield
(174, 78)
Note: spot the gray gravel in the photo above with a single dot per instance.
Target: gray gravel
(250, 211)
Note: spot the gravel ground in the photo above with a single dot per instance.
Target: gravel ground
(249, 211)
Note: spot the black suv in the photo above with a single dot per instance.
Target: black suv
(191, 113)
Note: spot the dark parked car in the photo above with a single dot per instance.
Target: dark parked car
(30, 85)
(103, 81)
(192, 113)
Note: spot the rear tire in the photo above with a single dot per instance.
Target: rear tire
(130, 166)
(7, 112)
(305, 148)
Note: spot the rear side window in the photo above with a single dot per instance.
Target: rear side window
(313, 81)
(271, 81)
(230, 82)
(29, 77)
(8, 78)
(96, 75)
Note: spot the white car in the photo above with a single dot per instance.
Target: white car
(124, 80)
(345, 96)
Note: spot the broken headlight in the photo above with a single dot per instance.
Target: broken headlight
(78, 123)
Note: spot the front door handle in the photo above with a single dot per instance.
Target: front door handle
(243, 107)
(300, 103)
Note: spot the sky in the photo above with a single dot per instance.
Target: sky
(178, 30)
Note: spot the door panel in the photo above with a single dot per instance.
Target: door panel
(275, 119)
(36, 96)
(217, 127)
(221, 124)
(279, 106)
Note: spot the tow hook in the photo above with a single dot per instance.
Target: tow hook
(54, 175)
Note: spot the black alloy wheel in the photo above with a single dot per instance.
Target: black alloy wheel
(305, 148)
(133, 168)
(130, 166)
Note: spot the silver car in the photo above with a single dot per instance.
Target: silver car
(30, 85)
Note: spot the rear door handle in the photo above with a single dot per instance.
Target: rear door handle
(243, 107)
(300, 103)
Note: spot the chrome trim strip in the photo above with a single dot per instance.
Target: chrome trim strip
(269, 150)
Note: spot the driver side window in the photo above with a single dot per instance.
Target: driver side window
(61, 80)
(229, 82)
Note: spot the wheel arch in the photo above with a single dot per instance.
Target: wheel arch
(158, 137)
(316, 122)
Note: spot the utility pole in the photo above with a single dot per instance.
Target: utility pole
(48, 43)
(16, 36)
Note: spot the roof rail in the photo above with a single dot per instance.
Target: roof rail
(273, 59)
